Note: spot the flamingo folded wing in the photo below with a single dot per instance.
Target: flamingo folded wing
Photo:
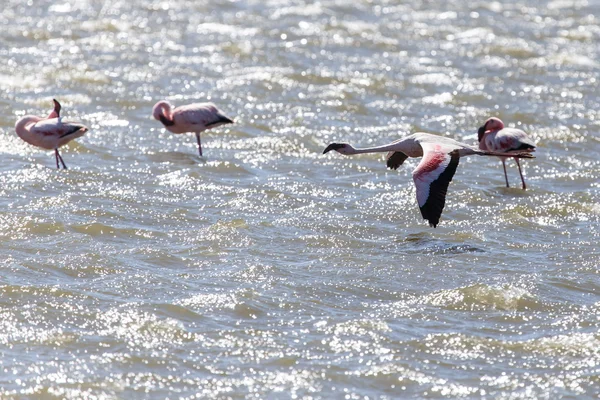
(54, 133)
(206, 114)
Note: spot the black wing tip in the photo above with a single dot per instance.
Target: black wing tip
(77, 129)
(222, 120)
(333, 146)
(433, 220)
(430, 216)
(226, 120)
(526, 146)
(396, 160)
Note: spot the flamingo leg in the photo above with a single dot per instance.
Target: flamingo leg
(58, 157)
(199, 144)
(521, 173)
(506, 176)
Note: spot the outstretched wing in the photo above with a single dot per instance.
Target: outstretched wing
(432, 177)
(395, 159)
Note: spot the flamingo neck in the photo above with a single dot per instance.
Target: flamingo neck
(162, 112)
(377, 149)
(166, 114)
(21, 127)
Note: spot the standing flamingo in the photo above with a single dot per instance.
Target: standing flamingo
(493, 136)
(49, 133)
(191, 118)
(435, 171)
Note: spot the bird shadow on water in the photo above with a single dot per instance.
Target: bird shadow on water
(423, 243)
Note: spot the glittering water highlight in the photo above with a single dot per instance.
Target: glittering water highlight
(269, 270)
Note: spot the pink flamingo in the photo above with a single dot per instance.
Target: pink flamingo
(191, 118)
(435, 171)
(493, 136)
(49, 133)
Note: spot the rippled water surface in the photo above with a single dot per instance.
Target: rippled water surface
(266, 269)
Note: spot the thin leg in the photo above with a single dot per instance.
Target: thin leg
(521, 173)
(505, 176)
(199, 144)
(58, 157)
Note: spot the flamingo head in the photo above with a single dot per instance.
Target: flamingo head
(56, 112)
(491, 124)
(162, 112)
(342, 148)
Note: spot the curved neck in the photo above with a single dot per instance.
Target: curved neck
(162, 112)
(166, 110)
(21, 126)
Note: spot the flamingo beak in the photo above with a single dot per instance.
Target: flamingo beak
(333, 146)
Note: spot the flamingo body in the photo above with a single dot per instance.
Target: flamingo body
(49, 133)
(434, 173)
(493, 136)
(194, 118)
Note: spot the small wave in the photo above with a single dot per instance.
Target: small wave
(141, 329)
(483, 297)
(100, 229)
(422, 243)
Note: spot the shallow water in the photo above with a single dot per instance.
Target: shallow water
(269, 270)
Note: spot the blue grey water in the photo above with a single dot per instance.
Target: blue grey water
(266, 269)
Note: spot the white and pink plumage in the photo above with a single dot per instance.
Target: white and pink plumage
(493, 136)
(435, 171)
(194, 118)
(49, 133)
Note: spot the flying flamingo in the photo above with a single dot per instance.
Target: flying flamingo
(435, 171)
(493, 136)
(49, 133)
(195, 118)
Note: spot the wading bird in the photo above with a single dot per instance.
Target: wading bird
(49, 133)
(191, 118)
(435, 171)
(493, 136)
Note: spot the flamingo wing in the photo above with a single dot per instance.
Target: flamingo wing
(55, 127)
(509, 139)
(53, 133)
(205, 115)
(432, 177)
(395, 159)
(72, 129)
